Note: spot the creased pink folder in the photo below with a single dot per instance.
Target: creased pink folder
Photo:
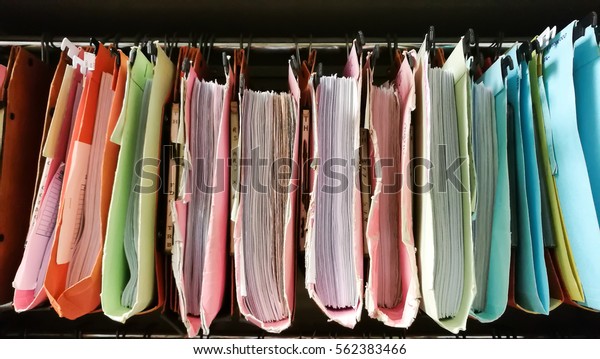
(289, 240)
(213, 273)
(347, 317)
(403, 314)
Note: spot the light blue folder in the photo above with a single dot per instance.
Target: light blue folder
(528, 208)
(531, 279)
(572, 180)
(497, 288)
(586, 75)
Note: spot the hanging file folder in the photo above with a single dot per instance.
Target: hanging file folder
(392, 292)
(265, 231)
(334, 242)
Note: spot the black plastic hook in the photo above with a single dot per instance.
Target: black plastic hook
(210, 46)
(590, 20)
(430, 42)
(297, 49)
(248, 49)
(468, 42)
(507, 63)
(524, 52)
(497, 45)
(225, 63)
(294, 65)
(360, 42)
(375, 56)
(44, 49)
(137, 40)
(319, 74)
(95, 43)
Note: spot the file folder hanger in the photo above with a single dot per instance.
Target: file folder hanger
(170, 44)
(545, 37)
(148, 48)
(295, 59)
(192, 40)
(239, 67)
(390, 51)
(430, 43)
(46, 47)
(114, 49)
(186, 63)
(86, 64)
(471, 49)
(318, 74)
(535, 45)
(208, 48)
(312, 56)
(205, 43)
(241, 60)
(152, 50)
(507, 64)
(360, 43)
(225, 62)
(395, 58)
(524, 51)
(496, 46)
(590, 20)
(202, 45)
(138, 42)
(95, 44)
(374, 57)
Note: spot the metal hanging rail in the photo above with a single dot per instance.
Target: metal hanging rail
(268, 44)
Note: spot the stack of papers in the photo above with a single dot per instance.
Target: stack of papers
(486, 167)
(89, 239)
(334, 241)
(447, 203)
(268, 126)
(333, 227)
(387, 123)
(206, 116)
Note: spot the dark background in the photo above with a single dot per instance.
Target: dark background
(407, 18)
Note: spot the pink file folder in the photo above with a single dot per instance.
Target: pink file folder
(289, 240)
(403, 314)
(350, 316)
(213, 283)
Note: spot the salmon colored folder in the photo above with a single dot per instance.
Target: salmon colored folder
(84, 296)
(26, 98)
